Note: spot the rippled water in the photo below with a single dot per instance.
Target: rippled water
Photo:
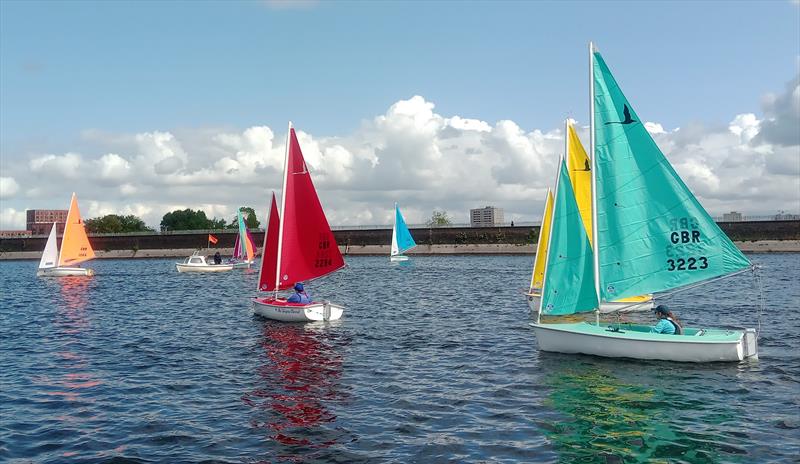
(433, 361)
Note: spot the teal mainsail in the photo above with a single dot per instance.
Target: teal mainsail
(401, 237)
(653, 233)
(568, 276)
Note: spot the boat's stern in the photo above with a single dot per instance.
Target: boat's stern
(750, 344)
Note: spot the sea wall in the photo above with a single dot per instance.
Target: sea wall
(434, 240)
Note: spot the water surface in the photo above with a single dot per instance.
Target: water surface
(433, 361)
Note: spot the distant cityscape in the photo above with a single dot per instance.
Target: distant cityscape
(39, 221)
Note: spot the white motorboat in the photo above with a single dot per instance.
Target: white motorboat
(198, 263)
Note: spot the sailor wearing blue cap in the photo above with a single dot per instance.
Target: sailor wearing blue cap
(299, 295)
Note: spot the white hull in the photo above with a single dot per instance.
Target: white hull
(64, 271)
(708, 345)
(279, 310)
(203, 267)
(242, 265)
(605, 307)
(398, 258)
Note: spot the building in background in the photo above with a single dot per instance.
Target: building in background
(40, 221)
(733, 216)
(486, 217)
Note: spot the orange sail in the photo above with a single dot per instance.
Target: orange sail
(75, 247)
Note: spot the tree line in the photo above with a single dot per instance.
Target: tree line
(189, 219)
(180, 219)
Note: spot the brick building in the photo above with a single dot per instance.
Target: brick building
(40, 221)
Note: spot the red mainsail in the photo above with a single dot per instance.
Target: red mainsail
(308, 249)
(269, 255)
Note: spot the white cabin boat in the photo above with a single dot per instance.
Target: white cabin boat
(198, 263)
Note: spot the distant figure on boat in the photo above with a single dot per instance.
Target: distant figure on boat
(299, 295)
(667, 322)
(217, 258)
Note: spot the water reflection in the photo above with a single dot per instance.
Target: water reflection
(298, 383)
(606, 419)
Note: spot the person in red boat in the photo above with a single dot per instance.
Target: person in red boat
(299, 295)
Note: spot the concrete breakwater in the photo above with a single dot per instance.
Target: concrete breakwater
(768, 236)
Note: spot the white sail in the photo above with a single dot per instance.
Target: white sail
(395, 249)
(50, 254)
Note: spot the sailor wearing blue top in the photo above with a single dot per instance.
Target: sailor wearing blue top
(667, 322)
(299, 295)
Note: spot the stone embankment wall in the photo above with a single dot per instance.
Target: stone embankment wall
(374, 239)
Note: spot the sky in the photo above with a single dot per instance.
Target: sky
(146, 107)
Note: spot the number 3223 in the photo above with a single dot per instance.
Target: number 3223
(690, 264)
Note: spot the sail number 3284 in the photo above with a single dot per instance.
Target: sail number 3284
(688, 264)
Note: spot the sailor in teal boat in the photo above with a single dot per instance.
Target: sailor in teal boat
(668, 323)
(299, 295)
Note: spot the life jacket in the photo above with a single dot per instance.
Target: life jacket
(678, 329)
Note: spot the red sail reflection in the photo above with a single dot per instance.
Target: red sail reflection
(300, 378)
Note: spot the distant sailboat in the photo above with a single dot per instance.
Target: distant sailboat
(298, 245)
(650, 234)
(580, 178)
(75, 248)
(401, 237)
(244, 250)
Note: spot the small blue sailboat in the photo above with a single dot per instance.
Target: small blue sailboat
(401, 238)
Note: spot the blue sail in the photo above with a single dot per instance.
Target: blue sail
(401, 237)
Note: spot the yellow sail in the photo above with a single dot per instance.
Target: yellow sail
(580, 175)
(541, 247)
(75, 247)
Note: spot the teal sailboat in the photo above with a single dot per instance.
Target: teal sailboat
(650, 234)
(401, 238)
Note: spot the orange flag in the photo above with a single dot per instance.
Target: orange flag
(212, 239)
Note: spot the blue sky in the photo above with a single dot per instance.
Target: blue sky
(135, 67)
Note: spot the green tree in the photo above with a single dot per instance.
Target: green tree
(250, 219)
(113, 223)
(186, 219)
(439, 218)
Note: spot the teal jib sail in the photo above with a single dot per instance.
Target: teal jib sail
(653, 233)
(569, 275)
(401, 237)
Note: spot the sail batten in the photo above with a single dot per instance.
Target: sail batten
(655, 235)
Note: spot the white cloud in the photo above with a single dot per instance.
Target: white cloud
(410, 154)
(8, 187)
(11, 219)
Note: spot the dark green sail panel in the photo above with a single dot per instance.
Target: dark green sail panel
(568, 276)
(653, 233)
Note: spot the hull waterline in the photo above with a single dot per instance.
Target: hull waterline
(280, 310)
(64, 271)
(398, 258)
(631, 341)
(203, 267)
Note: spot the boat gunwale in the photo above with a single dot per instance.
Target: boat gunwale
(619, 336)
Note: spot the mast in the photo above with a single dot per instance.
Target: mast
(550, 237)
(595, 245)
(282, 215)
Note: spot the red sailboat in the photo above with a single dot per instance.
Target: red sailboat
(298, 246)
